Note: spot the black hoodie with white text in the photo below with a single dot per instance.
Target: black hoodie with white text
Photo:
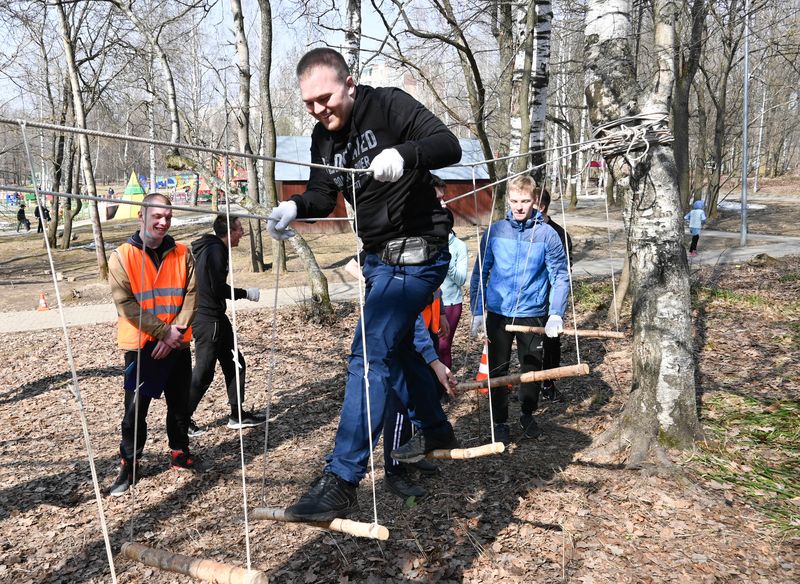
(383, 117)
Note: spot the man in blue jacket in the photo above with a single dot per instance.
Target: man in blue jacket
(524, 281)
(404, 232)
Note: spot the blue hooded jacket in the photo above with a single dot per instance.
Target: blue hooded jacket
(524, 270)
(696, 217)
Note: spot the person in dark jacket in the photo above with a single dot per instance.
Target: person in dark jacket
(213, 333)
(524, 281)
(551, 346)
(45, 212)
(396, 142)
(22, 219)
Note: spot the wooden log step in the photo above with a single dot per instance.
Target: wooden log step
(204, 570)
(555, 373)
(518, 328)
(370, 530)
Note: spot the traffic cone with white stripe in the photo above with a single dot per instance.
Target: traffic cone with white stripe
(42, 303)
(483, 368)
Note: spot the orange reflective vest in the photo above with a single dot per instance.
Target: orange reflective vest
(160, 293)
(432, 314)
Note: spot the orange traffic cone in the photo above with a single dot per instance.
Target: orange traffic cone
(483, 369)
(42, 303)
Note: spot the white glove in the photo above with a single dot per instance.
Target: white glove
(279, 219)
(253, 294)
(477, 326)
(387, 166)
(554, 326)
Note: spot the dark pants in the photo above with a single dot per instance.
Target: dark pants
(176, 394)
(396, 432)
(551, 354)
(529, 351)
(395, 295)
(213, 341)
(453, 314)
(693, 246)
(39, 227)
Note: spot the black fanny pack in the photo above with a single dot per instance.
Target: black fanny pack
(409, 251)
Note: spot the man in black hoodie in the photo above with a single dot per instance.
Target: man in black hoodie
(391, 142)
(213, 333)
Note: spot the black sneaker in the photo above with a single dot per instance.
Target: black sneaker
(195, 430)
(502, 433)
(530, 429)
(549, 392)
(421, 444)
(400, 484)
(328, 498)
(181, 460)
(249, 420)
(424, 466)
(124, 479)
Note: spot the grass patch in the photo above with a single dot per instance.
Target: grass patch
(751, 299)
(793, 277)
(592, 296)
(755, 448)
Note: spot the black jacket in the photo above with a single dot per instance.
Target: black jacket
(383, 117)
(211, 273)
(566, 240)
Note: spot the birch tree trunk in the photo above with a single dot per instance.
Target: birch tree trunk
(352, 37)
(524, 17)
(268, 138)
(85, 152)
(242, 115)
(661, 409)
(540, 80)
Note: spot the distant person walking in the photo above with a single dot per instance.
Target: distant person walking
(45, 212)
(696, 218)
(22, 219)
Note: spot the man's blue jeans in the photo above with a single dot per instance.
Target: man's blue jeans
(394, 296)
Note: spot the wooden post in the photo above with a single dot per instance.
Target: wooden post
(555, 373)
(370, 530)
(205, 570)
(466, 453)
(516, 328)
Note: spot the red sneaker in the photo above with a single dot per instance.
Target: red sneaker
(181, 460)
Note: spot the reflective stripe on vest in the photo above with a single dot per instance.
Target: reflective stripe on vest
(161, 293)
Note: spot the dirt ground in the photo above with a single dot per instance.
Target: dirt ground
(545, 511)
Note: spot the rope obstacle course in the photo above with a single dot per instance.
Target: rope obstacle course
(214, 571)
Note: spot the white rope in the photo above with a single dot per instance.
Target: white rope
(481, 288)
(364, 355)
(569, 268)
(76, 391)
(276, 265)
(610, 252)
(237, 366)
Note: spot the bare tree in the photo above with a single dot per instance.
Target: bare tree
(85, 153)
(661, 409)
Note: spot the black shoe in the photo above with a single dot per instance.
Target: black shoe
(549, 392)
(421, 444)
(124, 479)
(400, 484)
(249, 420)
(195, 430)
(328, 498)
(502, 433)
(424, 466)
(530, 429)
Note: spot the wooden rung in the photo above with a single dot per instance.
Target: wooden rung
(465, 453)
(517, 328)
(370, 530)
(205, 570)
(555, 373)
